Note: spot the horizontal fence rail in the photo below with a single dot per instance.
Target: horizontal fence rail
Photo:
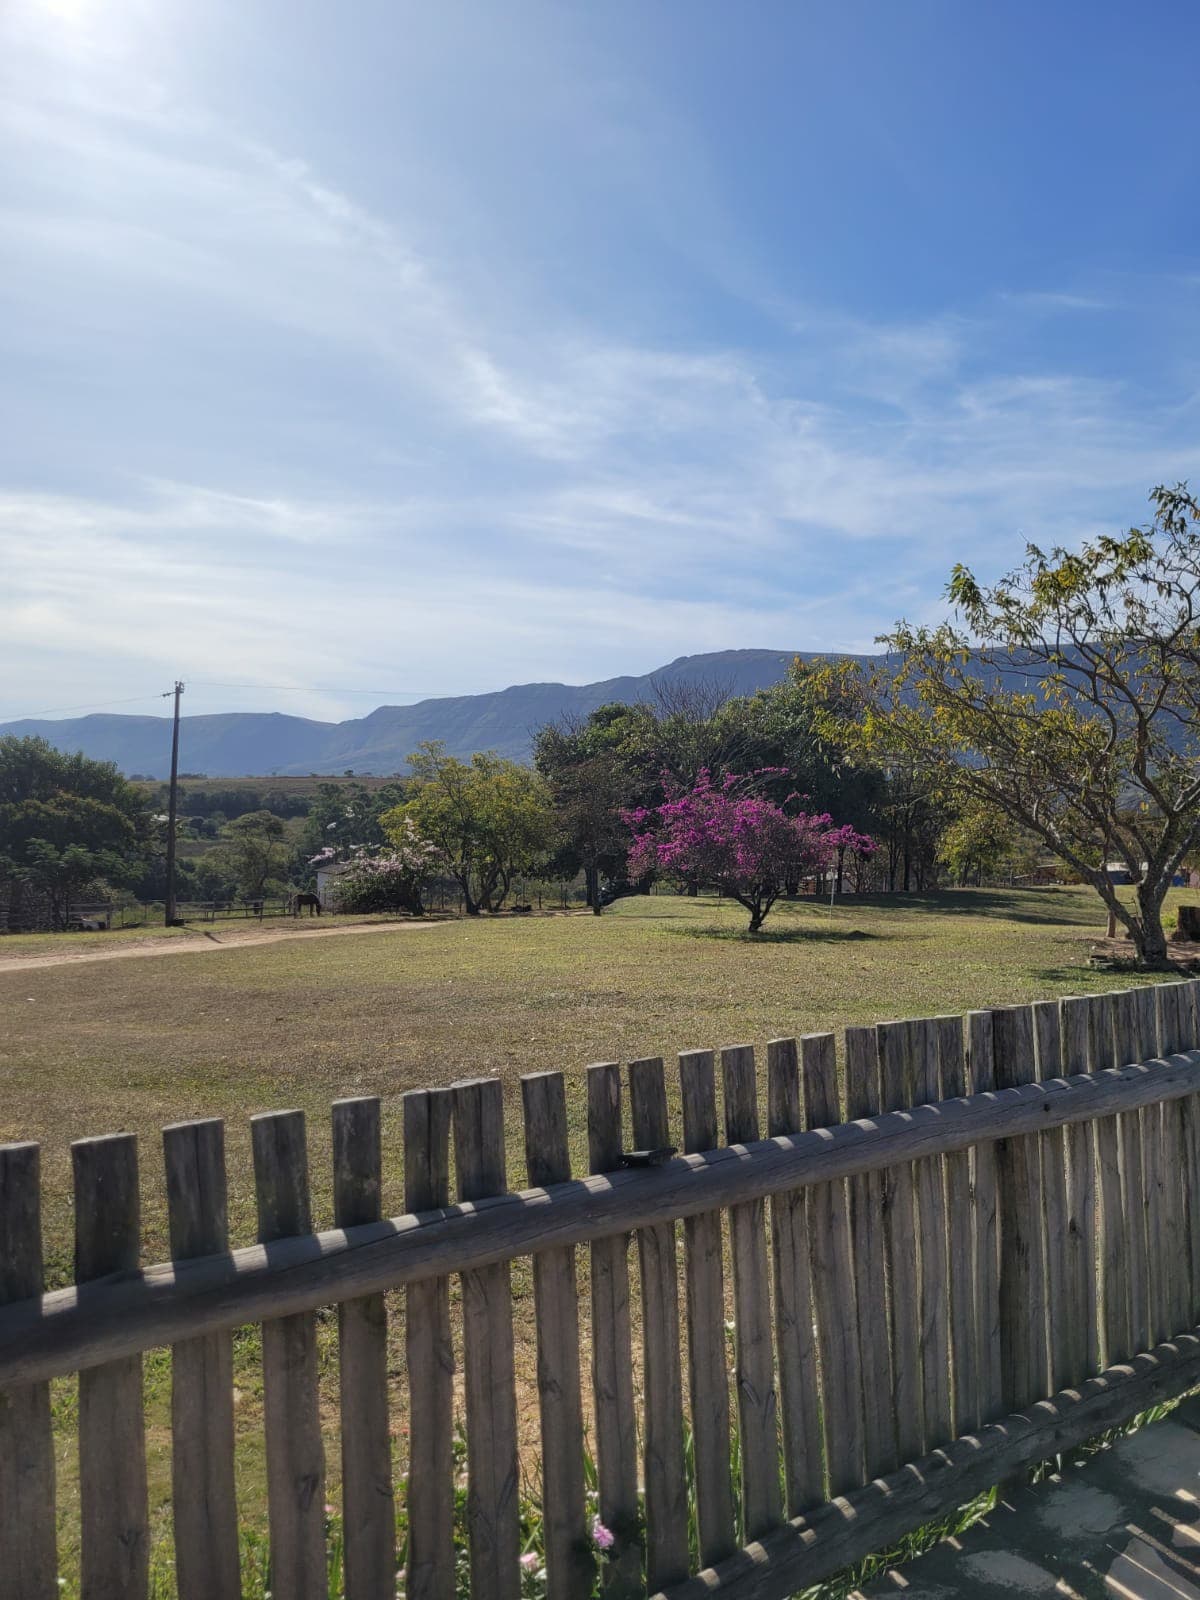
(963, 1245)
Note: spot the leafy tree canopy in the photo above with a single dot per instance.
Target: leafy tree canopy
(490, 818)
(67, 822)
(1067, 697)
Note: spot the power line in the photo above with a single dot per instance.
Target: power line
(93, 705)
(291, 688)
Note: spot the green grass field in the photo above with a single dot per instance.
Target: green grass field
(96, 1047)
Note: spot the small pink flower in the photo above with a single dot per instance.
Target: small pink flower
(604, 1537)
(529, 1561)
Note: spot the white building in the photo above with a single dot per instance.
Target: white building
(327, 884)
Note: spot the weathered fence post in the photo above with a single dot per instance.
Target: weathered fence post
(666, 1488)
(803, 1454)
(570, 1568)
(1024, 1355)
(933, 1250)
(295, 1451)
(493, 1513)
(612, 1351)
(900, 1233)
(867, 1252)
(429, 1357)
(115, 1530)
(833, 1280)
(708, 1359)
(28, 1558)
(368, 1499)
(1082, 1238)
(982, 1067)
(964, 1333)
(754, 1356)
(202, 1437)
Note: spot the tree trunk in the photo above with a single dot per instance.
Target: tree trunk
(756, 920)
(591, 877)
(469, 906)
(1148, 933)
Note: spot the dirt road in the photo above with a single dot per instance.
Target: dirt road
(195, 943)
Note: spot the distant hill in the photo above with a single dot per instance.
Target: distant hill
(242, 743)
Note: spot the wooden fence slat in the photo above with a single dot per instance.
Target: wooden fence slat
(429, 1360)
(1175, 1163)
(493, 1511)
(870, 1263)
(981, 1070)
(291, 1408)
(1175, 1148)
(202, 1437)
(754, 1361)
(964, 1338)
(570, 1568)
(1169, 1229)
(612, 1351)
(663, 1460)
(1047, 1029)
(708, 1383)
(28, 1558)
(1082, 1232)
(930, 1178)
(1155, 1020)
(368, 1498)
(1114, 1276)
(1024, 1354)
(1127, 1033)
(1189, 1113)
(114, 1523)
(799, 1394)
(833, 1280)
(900, 1234)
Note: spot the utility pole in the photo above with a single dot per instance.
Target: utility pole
(172, 808)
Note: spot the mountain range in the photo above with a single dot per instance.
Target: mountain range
(252, 743)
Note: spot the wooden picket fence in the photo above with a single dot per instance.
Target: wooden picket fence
(984, 1249)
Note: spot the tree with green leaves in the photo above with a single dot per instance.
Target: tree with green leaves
(491, 819)
(1067, 696)
(253, 852)
(981, 842)
(67, 824)
(590, 786)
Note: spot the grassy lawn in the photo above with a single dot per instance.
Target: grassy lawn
(94, 1047)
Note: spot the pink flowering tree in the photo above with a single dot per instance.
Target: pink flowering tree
(393, 879)
(731, 837)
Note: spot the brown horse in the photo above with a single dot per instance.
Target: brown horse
(300, 901)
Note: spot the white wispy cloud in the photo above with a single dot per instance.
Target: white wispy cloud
(346, 465)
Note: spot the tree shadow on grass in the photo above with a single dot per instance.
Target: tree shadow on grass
(784, 935)
(1037, 905)
(1083, 977)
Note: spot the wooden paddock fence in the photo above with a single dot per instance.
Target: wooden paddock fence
(969, 1249)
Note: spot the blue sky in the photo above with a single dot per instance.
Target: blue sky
(394, 349)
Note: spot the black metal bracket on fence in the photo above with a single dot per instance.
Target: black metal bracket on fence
(648, 1158)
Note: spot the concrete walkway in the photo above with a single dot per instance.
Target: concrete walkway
(1123, 1526)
